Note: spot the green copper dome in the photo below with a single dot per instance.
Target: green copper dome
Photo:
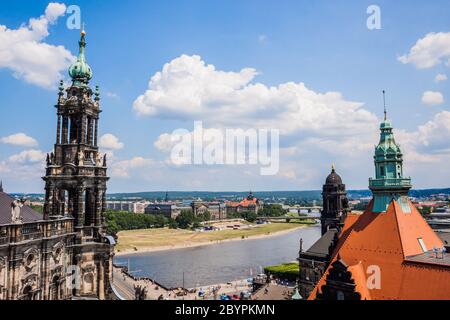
(389, 182)
(387, 144)
(80, 71)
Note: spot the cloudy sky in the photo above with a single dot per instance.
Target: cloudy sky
(310, 69)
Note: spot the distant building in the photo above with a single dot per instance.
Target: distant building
(129, 206)
(216, 209)
(315, 260)
(169, 209)
(165, 209)
(250, 203)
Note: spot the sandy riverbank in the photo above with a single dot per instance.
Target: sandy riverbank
(192, 244)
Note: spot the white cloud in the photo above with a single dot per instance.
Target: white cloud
(54, 10)
(121, 169)
(427, 151)
(440, 77)
(110, 141)
(189, 89)
(325, 124)
(28, 156)
(164, 142)
(24, 169)
(262, 38)
(432, 98)
(429, 51)
(436, 133)
(20, 139)
(24, 52)
(112, 95)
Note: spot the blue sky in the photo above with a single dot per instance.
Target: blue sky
(324, 45)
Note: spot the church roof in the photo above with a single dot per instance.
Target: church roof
(28, 214)
(321, 247)
(333, 178)
(399, 243)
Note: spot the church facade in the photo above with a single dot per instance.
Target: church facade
(64, 253)
(314, 261)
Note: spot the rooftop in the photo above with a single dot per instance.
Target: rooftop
(398, 242)
(28, 214)
(431, 258)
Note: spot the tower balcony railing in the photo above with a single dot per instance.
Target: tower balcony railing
(390, 182)
(16, 233)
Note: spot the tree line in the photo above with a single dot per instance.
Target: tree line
(117, 221)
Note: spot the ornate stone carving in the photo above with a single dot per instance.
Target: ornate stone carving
(58, 252)
(16, 208)
(30, 259)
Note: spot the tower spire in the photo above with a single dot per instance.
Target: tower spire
(389, 181)
(80, 71)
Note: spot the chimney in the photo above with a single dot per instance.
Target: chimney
(1, 186)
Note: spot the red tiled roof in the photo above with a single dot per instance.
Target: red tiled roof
(244, 203)
(386, 240)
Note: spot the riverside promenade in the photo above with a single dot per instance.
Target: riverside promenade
(124, 285)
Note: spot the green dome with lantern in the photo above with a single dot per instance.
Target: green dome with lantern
(80, 71)
(389, 182)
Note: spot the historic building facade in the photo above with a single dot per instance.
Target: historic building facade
(214, 208)
(314, 261)
(389, 252)
(64, 253)
(249, 204)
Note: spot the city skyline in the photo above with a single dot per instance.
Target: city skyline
(318, 99)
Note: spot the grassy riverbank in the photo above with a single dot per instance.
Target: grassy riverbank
(284, 271)
(165, 239)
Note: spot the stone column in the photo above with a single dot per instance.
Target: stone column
(58, 131)
(73, 129)
(101, 280)
(83, 129)
(79, 210)
(103, 212)
(88, 128)
(96, 132)
(98, 207)
(49, 205)
(65, 130)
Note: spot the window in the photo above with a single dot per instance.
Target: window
(422, 244)
(382, 171)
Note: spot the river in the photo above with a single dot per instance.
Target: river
(219, 263)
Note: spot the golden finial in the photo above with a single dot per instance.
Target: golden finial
(333, 167)
(83, 30)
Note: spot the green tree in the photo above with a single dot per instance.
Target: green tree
(185, 219)
(272, 210)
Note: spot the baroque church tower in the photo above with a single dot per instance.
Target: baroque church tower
(335, 203)
(75, 181)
